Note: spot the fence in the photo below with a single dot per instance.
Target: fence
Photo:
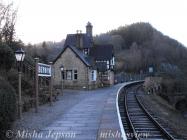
(40, 89)
(126, 77)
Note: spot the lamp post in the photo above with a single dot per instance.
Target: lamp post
(62, 74)
(51, 84)
(20, 55)
(36, 85)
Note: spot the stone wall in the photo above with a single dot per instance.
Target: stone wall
(70, 61)
(107, 78)
(111, 75)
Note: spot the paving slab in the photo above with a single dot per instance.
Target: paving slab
(93, 117)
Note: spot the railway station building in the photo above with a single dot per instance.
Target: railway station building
(82, 64)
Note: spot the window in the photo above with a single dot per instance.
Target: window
(93, 75)
(75, 75)
(113, 61)
(86, 51)
(69, 74)
(108, 65)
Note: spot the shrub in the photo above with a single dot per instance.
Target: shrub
(7, 107)
(7, 57)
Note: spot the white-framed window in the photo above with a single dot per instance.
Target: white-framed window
(112, 61)
(93, 75)
(69, 75)
(108, 65)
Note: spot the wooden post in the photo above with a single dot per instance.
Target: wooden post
(20, 101)
(51, 85)
(36, 84)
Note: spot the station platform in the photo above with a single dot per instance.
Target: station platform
(94, 117)
(78, 115)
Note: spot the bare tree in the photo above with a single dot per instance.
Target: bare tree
(7, 23)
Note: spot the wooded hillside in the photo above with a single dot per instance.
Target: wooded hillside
(139, 45)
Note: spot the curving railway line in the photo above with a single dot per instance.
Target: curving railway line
(138, 123)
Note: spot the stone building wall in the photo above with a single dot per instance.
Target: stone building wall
(70, 62)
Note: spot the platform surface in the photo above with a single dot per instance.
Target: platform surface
(93, 117)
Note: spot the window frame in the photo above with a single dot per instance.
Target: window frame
(71, 75)
(93, 75)
(75, 74)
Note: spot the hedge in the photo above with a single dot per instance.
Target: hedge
(7, 107)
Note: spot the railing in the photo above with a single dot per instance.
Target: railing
(126, 77)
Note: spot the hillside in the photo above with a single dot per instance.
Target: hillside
(140, 45)
(137, 46)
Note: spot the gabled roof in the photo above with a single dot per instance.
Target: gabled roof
(84, 58)
(102, 52)
(71, 40)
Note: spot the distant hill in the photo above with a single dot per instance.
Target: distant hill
(140, 45)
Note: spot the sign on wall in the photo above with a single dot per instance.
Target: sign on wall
(44, 70)
(150, 69)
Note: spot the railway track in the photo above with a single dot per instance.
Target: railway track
(138, 123)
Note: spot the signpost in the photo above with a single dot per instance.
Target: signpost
(42, 70)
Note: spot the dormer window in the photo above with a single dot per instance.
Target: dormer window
(86, 51)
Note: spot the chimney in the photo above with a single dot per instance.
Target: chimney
(89, 29)
(79, 39)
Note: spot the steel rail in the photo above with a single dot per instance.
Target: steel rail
(130, 121)
(164, 131)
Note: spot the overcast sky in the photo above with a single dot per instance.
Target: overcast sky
(52, 20)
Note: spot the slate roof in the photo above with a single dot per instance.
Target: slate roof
(97, 52)
(102, 52)
(71, 39)
(87, 60)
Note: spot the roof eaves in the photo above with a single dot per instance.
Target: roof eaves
(64, 48)
(81, 57)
